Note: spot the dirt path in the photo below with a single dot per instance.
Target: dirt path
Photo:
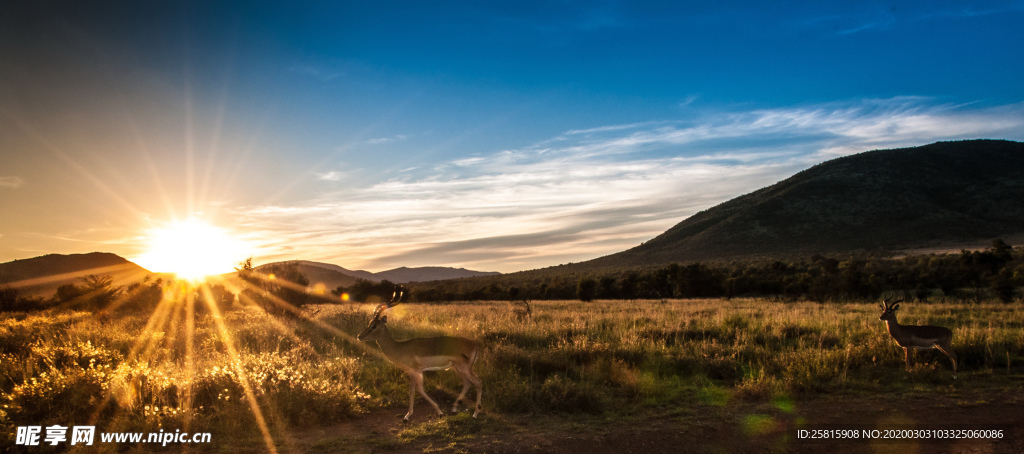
(734, 428)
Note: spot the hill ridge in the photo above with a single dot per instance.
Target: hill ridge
(332, 276)
(43, 274)
(879, 200)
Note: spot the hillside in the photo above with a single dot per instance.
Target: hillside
(318, 276)
(946, 193)
(42, 275)
(934, 198)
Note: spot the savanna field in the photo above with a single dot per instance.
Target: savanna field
(257, 382)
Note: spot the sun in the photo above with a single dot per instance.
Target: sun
(192, 249)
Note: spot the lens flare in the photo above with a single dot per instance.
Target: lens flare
(192, 249)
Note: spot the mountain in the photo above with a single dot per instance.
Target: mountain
(333, 276)
(430, 273)
(41, 276)
(319, 276)
(357, 274)
(943, 194)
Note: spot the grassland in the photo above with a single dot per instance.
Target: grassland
(254, 381)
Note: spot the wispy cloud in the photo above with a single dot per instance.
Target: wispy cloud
(873, 18)
(384, 140)
(610, 128)
(587, 193)
(330, 176)
(11, 182)
(969, 11)
(317, 72)
(853, 23)
(878, 23)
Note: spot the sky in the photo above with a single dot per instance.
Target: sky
(495, 136)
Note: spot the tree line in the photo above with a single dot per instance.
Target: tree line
(993, 273)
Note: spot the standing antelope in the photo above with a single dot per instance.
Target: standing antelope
(414, 356)
(521, 309)
(919, 337)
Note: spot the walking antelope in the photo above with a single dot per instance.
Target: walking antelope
(919, 337)
(414, 356)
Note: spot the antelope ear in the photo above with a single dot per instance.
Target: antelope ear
(897, 306)
(881, 306)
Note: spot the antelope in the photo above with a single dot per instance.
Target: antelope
(919, 337)
(414, 356)
(521, 310)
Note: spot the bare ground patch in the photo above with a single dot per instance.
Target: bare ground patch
(735, 427)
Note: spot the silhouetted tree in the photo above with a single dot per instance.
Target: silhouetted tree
(96, 292)
(1002, 286)
(628, 286)
(608, 290)
(8, 298)
(586, 289)
(142, 296)
(215, 294)
(67, 293)
(1001, 250)
(368, 291)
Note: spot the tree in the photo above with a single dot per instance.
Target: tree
(96, 293)
(628, 287)
(608, 289)
(1001, 250)
(8, 298)
(661, 281)
(215, 294)
(368, 291)
(67, 292)
(1002, 286)
(143, 296)
(586, 289)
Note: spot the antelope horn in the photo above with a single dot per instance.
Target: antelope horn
(396, 297)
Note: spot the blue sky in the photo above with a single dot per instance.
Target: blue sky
(489, 136)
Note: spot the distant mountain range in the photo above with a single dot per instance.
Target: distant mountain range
(40, 276)
(940, 195)
(333, 276)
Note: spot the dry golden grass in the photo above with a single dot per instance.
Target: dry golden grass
(224, 373)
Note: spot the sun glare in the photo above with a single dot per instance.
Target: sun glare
(192, 249)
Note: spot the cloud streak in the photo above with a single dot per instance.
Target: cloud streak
(317, 72)
(385, 140)
(11, 182)
(588, 193)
